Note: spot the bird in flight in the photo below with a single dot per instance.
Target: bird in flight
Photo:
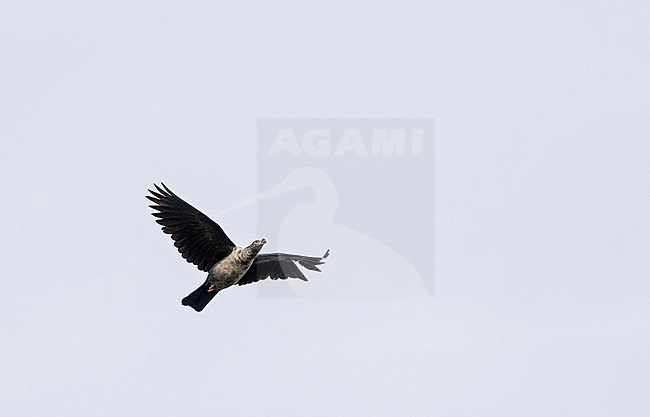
(203, 242)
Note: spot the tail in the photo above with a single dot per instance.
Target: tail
(200, 297)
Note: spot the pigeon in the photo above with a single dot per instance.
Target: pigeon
(202, 242)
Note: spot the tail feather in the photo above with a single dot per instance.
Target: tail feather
(200, 297)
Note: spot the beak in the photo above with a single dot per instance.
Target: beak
(263, 241)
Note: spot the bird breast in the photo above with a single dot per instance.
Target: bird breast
(231, 268)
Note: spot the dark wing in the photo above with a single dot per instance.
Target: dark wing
(280, 266)
(200, 241)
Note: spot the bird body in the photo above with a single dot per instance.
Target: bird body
(232, 268)
(203, 243)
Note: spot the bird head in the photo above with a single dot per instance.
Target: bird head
(257, 244)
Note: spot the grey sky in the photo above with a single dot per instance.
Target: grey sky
(542, 266)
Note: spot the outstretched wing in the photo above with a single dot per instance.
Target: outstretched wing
(200, 241)
(280, 266)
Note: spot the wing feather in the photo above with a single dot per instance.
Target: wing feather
(199, 240)
(280, 266)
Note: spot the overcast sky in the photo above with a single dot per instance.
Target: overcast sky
(541, 208)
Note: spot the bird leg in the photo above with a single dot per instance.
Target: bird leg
(212, 288)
